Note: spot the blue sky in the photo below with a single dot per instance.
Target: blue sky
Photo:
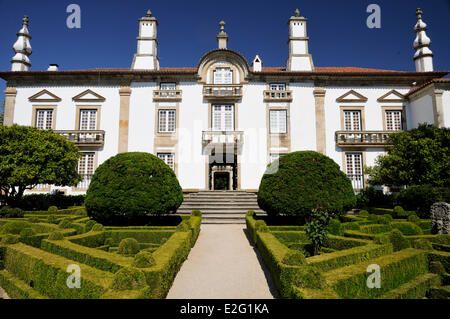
(187, 29)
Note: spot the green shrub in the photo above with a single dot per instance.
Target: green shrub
(399, 211)
(128, 246)
(372, 197)
(422, 244)
(388, 217)
(56, 235)
(27, 232)
(408, 229)
(183, 226)
(130, 186)
(363, 213)
(316, 229)
(10, 239)
(89, 224)
(299, 182)
(43, 201)
(398, 241)
(196, 213)
(294, 258)
(373, 218)
(383, 220)
(309, 277)
(381, 239)
(14, 227)
(33, 220)
(421, 197)
(65, 223)
(52, 209)
(250, 213)
(335, 227)
(261, 226)
(436, 267)
(128, 278)
(11, 212)
(52, 219)
(413, 218)
(109, 241)
(143, 259)
(97, 227)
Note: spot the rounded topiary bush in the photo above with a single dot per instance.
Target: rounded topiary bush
(52, 219)
(299, 182)
(309, 277)
(65, 223)
(335, 227)
(52, 209)
(14, 227)
(89, 224)
(422, 244)
(399, 211)
(143, 259)
(130, 186)
(436, 267)
(196, 213)
(128, 279)
(128, 246)
(294, 258)
(413, 218)
(363, 213)
(398, 241)
(56, 235)
(11, 212)
(27, 232)
(97, 227)
(408, 229)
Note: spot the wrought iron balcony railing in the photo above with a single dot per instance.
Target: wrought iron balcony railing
(84, 138)
(363, 138)
(277, 96)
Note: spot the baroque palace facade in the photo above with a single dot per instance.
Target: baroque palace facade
(219, 124)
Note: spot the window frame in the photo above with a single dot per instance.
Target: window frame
(362, 121)
(37, 108)
(80, 108)
(223, 118)
(230, 72)
(285, 121)
(278, 85)
(167, 111)
(166, 154)
(161, 84)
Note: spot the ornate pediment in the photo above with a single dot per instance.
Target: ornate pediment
(88, 96)
(44, 96)
(352, 97)
(392, 96)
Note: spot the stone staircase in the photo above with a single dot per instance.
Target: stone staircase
(221, 207)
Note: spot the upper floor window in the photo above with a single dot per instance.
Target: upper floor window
(168, 86)
(88, 120)
(352, 120)
(278, 121)
(393, 120)
(167, 158)
(277, 87)
(223, 118)
(44, 119)
(223, 76)
(166, 121)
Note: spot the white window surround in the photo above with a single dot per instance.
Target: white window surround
(278, 121)
(222, 117)
(44, 119)
(166, 120)
(223, 76)
(168, 158)
(393, 120)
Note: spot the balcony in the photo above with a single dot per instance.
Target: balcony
(167, 95)
(84, 138)
(229, 140)
(277, 96)
(363, 138)
(228, 92)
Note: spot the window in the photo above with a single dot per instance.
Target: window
(275, 156)
(167, 158)
(88, 120)
(352, 120)
(86, 169)
(166, 121)
(393, 120)
(168, 86)
(278, 121)
(277, 87)
(44, 119)
(223, 76)
(223, 118)
(354, 169)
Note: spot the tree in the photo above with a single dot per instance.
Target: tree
(417, 157)
(29, 156)
(130, 187)
(317, 229)
(304, 181)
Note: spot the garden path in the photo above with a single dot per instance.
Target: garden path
(223, 265)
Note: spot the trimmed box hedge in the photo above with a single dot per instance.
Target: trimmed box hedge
(143, 236)
(414, 289)
(16, 288)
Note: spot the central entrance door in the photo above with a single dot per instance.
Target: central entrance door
(223, 171)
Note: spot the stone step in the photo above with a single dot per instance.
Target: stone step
(224, 221)
(218, 206)
(220, 200)
(221, 211)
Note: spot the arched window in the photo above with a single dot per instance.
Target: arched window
(223, 76)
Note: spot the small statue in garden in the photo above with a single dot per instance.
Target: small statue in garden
(440, 218)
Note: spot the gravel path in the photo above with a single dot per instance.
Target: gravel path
(223, 265)
(3, 294)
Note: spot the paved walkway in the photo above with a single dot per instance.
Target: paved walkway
(223, 265)
(3, 294)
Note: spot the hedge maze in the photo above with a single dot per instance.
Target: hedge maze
(114, 262)
(413, 263)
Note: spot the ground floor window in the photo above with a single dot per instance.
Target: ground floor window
(354, 169)
(86, 169)
(168, 158)
(275, 156)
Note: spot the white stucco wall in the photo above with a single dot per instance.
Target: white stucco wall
(420, 111)
(446, 107)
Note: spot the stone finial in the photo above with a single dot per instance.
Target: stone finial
(149, 13)
(419, 13)
(222, 26)
(297, 12)
(25, 20)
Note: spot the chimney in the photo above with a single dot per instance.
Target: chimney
(53, 67)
